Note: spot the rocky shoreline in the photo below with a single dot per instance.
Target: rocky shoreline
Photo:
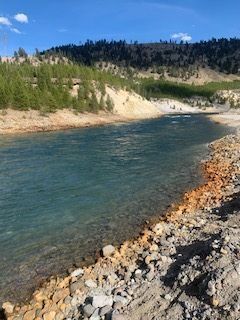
(184, 267)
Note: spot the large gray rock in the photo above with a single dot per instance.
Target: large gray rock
(102, 301)
(88, 310)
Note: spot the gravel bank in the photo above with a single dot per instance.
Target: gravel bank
(184, 267)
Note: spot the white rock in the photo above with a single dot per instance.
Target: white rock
(138, 273)
(158, 229)
(154, 247)
(211, 288)
(8, 307)
(122, 300)
(77, 273)
(90, 284)
(102, 301)
(167, 296)
(108, 250)
(95, 315)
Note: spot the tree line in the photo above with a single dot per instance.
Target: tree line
(219, 54)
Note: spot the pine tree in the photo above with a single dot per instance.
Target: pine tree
(20, 94)
(109, 103)
(102, 103)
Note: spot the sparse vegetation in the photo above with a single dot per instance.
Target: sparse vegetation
(165, 89)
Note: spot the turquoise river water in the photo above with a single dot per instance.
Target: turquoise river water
(63, 195)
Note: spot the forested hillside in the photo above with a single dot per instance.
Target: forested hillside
(50, 87)
(222, 55)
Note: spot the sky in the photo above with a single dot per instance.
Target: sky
(46, 23)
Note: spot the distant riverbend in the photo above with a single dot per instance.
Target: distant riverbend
(65, 194)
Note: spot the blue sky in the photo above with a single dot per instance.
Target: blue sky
(45, 23)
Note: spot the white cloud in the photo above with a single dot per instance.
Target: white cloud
(15, 30)
(181, 36)
(21, 17)
(5, 21)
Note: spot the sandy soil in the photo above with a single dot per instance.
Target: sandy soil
(13, 121)
(127, 106)
(231, 119)
(168, 106)
(132, 105)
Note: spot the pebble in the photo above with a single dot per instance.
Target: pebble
(8, 307)
(118, 298)
(138, 273)
(108, 251)
(150, 275)
(75, 286)
(95, 315)
(88, 310)
(117, 305)
(90, 284)
(105, 310)
(215, 302)
(154, 247)
(77, 273)
(158, 229)
(168, 296)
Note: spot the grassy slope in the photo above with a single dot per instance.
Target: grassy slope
(166, 89)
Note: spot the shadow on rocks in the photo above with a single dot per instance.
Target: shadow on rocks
(198, 249)
(228, 208)
(2, 315)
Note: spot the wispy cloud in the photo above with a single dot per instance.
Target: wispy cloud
(181, 36)
(15, 30)
(5, 21)
(62, 30)
(21, 17)
(165, 6)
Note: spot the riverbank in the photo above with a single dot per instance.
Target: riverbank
(128, 106)
(184, 267)
(231, 119)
